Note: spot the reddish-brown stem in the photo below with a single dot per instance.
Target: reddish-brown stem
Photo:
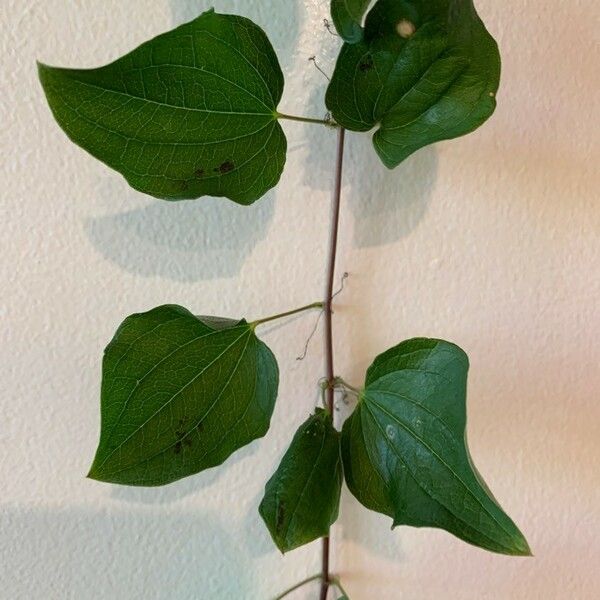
(329, 369)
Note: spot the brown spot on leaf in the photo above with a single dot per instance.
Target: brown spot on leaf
(200, 427)
(198, 173)
(366, 64)
(225, 167)
(280, 517)
(177, 447)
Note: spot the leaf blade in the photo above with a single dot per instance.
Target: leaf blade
(405, 453)
(301, 499)
(197, 392)
(347, 17)
(186, 114)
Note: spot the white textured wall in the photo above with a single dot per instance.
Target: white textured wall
(491, 241)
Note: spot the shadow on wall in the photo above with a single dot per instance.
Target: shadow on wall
(120, 554)
(203, 239)
(387, 205)
(365, 530)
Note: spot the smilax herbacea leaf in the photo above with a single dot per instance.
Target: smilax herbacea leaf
(423, 71)
(302, 498)
(189, 113)
(180, 394)
(405, 453)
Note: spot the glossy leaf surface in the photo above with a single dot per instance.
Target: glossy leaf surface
(189, 113)
(405, 453)
(180, 394)
(425, 71)
(347, 17)
(302, 498)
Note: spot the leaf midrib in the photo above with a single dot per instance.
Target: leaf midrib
(270, 111)
(133, 138)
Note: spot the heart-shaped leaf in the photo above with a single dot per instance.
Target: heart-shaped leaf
(405, 453)
(347, 17)
(425, 70)
(189, 113)
(180, 393)
(302, 498)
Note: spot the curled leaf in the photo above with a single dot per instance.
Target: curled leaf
(425, 71)
(302, 497)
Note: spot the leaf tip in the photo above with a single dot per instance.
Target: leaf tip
(522, 547)
(42, 69)
(94, 473)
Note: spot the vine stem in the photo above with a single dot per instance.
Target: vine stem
(329, 367)
(288, 313)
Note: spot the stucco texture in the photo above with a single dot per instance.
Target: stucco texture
(490, 241)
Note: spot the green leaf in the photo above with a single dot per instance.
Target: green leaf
(426, 70)
(190, 113)
(347, 17)
(405, 453)
(180, 394)
(302, 498)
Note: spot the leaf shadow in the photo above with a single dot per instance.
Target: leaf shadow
(366, 531)
(387, 205)
(257, 539)
(206, 239)
(121, 553)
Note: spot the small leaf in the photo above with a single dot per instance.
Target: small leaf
(405, 453)
(425, 71)
(189, 113)
(347, 17)
(302, 498)
(180, 394)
